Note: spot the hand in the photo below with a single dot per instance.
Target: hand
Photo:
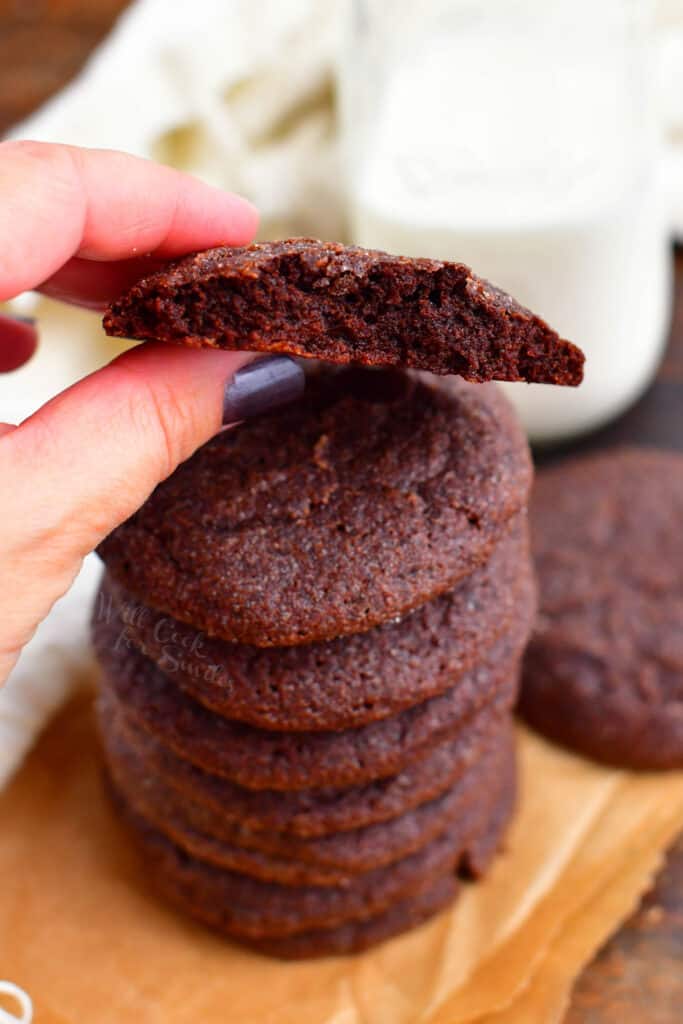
(81, 225)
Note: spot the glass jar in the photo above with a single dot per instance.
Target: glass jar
(520, 137)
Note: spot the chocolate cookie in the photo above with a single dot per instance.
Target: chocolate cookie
(343, 304)
(604, 670)
(256, 909)
(330, 860)
(300, 760)
(342, 683)
(382, 492)
(307, 813)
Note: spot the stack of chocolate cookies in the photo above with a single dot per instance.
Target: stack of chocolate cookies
(310, 655)
(310, 638)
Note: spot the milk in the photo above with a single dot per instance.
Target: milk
(526, 147)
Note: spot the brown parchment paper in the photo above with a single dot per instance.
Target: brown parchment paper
(82, 933)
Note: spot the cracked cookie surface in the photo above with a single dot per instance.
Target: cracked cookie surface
(375, 493)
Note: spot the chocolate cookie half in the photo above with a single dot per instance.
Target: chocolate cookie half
(382, 492)
(338, 684)
(256, 909)
(604, 670)
(346, 304)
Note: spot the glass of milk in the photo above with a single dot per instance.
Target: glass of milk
(520, 137)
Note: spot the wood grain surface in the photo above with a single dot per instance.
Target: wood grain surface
(43, 43)
(638, 977)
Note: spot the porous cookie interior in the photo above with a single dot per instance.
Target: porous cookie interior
(346, 304)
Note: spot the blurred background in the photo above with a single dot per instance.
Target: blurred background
(541, 141)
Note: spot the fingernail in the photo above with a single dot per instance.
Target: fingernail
(261, 386)
(18, 341)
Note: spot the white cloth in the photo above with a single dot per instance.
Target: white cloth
(48, 670)
(238, 92)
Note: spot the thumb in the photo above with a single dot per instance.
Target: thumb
(89, 458)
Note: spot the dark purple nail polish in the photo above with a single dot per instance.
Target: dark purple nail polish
(261, 386)
(18, 341)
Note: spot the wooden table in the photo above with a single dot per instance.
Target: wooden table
(638, 977)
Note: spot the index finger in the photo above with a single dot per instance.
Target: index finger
(61, 202)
